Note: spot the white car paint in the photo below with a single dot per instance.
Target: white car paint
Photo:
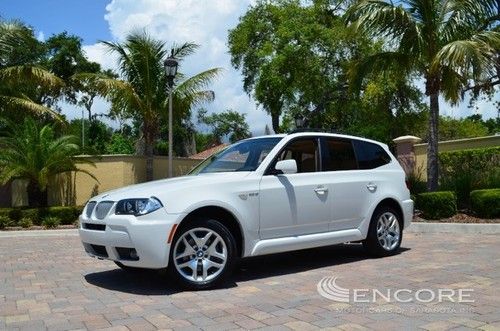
(275, 213)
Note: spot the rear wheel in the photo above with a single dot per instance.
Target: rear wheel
(202, 254)
(385, 233)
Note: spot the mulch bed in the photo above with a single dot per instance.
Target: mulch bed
(37, 227)
(458, 218)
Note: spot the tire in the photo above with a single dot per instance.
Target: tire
(385, 232)
(127, 268)
(197, 267)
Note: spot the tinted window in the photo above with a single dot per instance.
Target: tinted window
(304, 152)
(370, 155)
(339, 155)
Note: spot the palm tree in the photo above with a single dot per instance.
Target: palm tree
(447, 42)
(34, 153)
(142, 89)
(14, 78)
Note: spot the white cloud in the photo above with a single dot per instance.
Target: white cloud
(205, 22)
(40, 36)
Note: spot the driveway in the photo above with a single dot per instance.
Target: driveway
(48, 282)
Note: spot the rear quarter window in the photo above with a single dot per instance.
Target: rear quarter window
(370, 155)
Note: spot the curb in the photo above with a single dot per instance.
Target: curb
(461, 228)
(39, 233)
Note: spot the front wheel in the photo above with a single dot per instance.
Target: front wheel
(202, 254)
(385, 233)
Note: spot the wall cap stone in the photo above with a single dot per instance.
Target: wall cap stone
(407, 139)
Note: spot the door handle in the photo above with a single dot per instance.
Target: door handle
(321, 190)
(371, 187)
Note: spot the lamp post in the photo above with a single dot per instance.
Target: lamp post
(171, 65)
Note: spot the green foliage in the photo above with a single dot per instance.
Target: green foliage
(226, 124)
(450, 128)
(120, 144)
(295, 57)
(204, 141)
(467, 170)
(32, 152)
(25, 222)
(141, 92)
(66, 215)
(4, 222)
(448, 43)
(415, 182)
(51, 222)
(486, 203)
(437, 205)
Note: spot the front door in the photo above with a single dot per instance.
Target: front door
(295, 204)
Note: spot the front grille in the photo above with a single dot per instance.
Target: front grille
(95, 227)
(89, 208)
(102, 209)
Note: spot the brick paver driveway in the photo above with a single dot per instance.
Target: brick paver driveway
(49, 283)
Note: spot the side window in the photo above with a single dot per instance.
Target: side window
(369, 155)
(304, 152)
(339, 155)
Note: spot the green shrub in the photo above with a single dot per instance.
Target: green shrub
(25, 222)
(467, 170)
(51, 222)
(4, 222)
(67, 215)
(437, 205)
(486, 203)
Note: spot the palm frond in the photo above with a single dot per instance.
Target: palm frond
(10, 102)
(27, 74)
(197, 82)
(378, 63)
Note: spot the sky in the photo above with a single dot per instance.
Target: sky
(204, 22)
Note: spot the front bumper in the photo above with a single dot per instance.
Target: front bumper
(408, 207)
(133, 241)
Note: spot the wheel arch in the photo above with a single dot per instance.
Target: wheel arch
(392, 203)
(222, 215)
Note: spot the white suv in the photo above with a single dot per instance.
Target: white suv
(258, 196)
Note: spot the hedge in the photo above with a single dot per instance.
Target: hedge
(486, 203)
(437, 205)
(467, 170)
(65, 215)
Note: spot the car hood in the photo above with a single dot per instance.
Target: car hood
(160, 187)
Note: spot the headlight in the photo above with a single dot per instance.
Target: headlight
(137, 207)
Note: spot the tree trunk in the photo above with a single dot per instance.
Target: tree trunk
(36, 197)
(432, 146)
(275, 119)
(149, 138)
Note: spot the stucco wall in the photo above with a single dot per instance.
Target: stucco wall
(111, 172)
(451, 145)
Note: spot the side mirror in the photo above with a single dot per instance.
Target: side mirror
(286, 167)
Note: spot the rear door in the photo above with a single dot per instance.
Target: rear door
(347, 185)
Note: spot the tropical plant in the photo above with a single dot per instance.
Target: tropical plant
(18, 72)
(142, 87)
(33, 152)
(449, 43)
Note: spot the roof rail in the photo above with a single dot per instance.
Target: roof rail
(312, 130)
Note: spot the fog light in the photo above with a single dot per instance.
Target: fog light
(133, 254)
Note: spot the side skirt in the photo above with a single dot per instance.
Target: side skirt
(277, 245)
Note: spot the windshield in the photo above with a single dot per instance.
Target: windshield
(246, 155)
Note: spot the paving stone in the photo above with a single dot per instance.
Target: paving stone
(40, 288)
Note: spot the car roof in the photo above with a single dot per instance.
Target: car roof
(314, 133)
